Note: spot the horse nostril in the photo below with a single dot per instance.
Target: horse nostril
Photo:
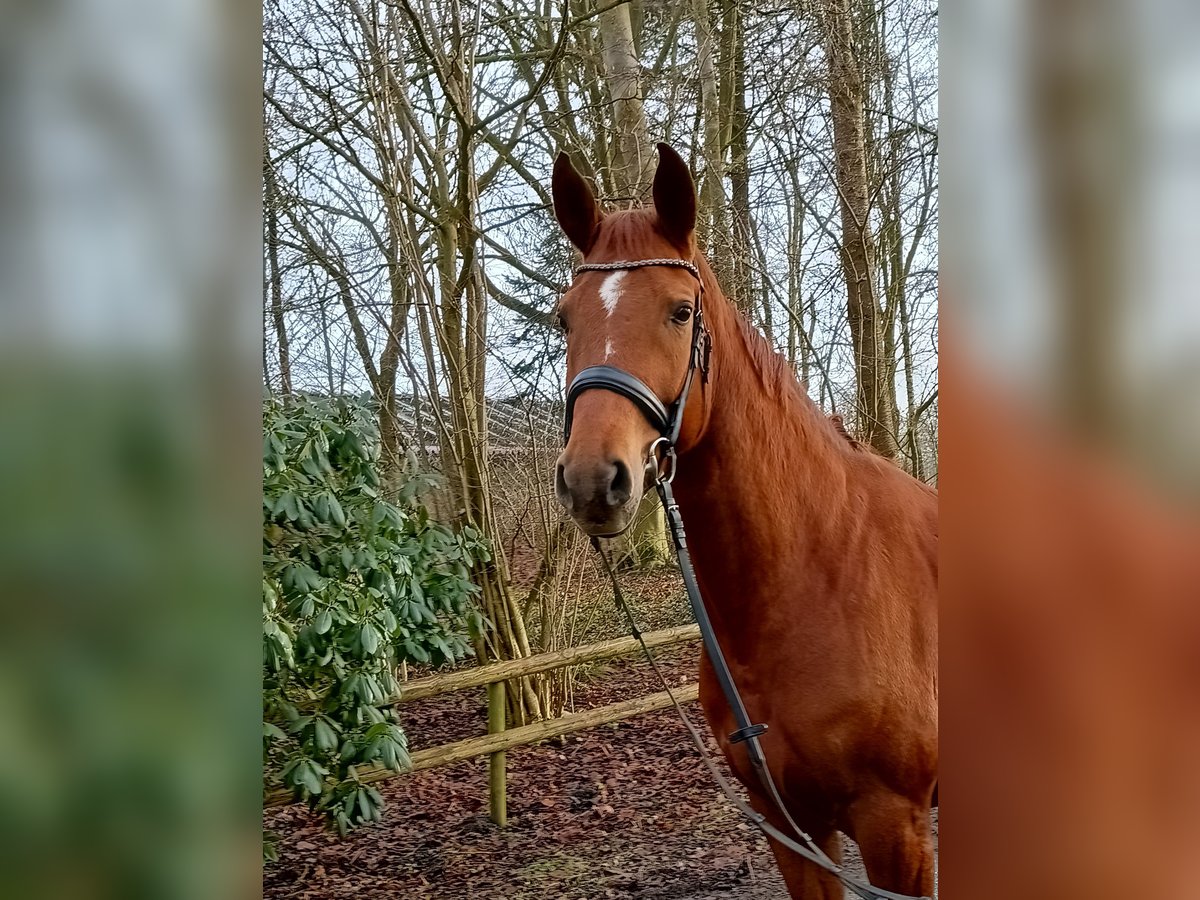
(621, 486)
(560, 487)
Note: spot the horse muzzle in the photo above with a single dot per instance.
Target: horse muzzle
(601, 496)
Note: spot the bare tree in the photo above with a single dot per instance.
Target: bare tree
(876, 403)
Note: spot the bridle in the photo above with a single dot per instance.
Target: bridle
(668, 421)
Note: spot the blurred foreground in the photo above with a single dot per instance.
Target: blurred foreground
(1070, 439)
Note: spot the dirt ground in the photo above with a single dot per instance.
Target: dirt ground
(625, 811)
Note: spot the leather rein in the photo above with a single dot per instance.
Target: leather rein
(668, 420)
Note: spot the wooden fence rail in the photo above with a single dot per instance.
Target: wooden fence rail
(420, 688)
(500, 739)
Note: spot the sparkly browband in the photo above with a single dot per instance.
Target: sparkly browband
(638, 264)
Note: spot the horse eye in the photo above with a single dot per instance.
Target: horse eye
(561, 322)
(683, 315)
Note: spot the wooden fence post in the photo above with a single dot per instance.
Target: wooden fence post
(498, 762)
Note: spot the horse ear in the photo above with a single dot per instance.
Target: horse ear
(574, 204)
(675, 198)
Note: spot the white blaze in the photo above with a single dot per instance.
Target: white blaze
(610, 291)
(608, 348)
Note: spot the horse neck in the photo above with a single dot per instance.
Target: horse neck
(766, 485)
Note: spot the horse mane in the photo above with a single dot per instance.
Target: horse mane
(840, 425)
(774, 372)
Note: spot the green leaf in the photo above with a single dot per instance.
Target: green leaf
(323, 622)
(369, 639)
(337, 514)
(364, 804)
(310, 777)
(324, 734)
(419, 653)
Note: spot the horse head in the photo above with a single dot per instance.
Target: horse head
(631, 322)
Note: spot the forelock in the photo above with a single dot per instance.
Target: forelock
(630, 234)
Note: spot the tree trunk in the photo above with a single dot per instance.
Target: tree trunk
(740, 286)
(464, 346)
(631, 156)
(1087, 128)
(274, 276)
(713, 207)
(876, 395)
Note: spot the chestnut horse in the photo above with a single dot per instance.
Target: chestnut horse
(817, 559)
